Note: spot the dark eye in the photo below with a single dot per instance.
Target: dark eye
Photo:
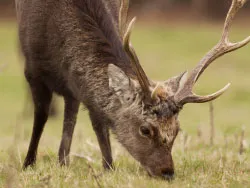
(145, 131)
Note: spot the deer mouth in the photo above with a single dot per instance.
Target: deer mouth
(164, 176)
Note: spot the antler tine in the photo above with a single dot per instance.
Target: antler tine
(142, 78)
(123, 14)
(125, 32)
(184, 94)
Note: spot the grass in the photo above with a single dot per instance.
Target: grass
(164, 51)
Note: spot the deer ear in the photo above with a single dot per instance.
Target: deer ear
(176, 82)
(121, 84)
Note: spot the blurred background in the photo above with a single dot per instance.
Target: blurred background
(212, 9)
(171, 36)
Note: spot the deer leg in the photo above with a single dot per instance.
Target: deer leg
(70, 116)
(102, 132)
(41, 97)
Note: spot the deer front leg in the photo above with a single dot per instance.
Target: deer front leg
(42, 98)
(70, 116)
(101, 129)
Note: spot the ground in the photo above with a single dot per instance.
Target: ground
(164, 51)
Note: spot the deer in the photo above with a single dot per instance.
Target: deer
(81, 50)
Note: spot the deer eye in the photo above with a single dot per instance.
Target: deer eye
(145, 131)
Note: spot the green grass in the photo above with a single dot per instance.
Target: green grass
(164, 51)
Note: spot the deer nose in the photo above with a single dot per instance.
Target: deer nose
(167, 173)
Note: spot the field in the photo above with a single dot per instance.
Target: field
(164, 51)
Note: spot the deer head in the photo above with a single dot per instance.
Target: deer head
(147, 121)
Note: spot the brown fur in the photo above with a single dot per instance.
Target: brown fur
(72, 48)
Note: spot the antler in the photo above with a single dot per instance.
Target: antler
(123, 14)
(125, 33)
(184, 94)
